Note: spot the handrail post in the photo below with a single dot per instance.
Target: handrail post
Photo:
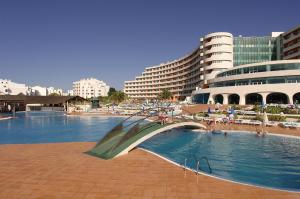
(197, 169)
(185, 163)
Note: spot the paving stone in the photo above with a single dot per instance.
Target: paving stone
(62, 170)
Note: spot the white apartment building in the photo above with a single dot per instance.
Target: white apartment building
(90, 87)
(7, 87)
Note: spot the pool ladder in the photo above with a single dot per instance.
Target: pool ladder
(198, 164)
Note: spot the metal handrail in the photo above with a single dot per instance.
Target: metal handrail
(185, 161)
(198, 164)
(206, 159)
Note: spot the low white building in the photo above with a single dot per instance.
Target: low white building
(7, 87)
(52, 90)
(90, 87)
(38, 91)
(70, 93)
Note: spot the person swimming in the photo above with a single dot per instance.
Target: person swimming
(258, 133)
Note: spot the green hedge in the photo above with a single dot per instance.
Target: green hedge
(277, 118)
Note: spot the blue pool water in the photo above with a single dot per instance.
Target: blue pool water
(270, 161)
(47, 127)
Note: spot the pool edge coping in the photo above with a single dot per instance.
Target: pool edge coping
(215, 177)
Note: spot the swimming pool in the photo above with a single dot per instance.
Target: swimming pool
(48, 127)
(270, 161)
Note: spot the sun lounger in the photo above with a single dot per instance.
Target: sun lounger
(271, 124)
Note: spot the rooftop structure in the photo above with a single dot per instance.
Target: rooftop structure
(38, 103)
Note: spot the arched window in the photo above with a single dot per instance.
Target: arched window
(233, 99)
(219, 99)
(254, 98)
(277, 98)
(296, 98)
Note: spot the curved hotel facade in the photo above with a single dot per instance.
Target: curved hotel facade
(266, 82)
(183, 76)
(179, 76)
(229, 70)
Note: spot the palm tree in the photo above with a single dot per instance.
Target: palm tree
(165, 94)
(111, 91)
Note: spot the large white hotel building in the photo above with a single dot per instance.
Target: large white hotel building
(90, 87)
(229, 70)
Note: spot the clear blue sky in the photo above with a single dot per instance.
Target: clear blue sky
(56, 42)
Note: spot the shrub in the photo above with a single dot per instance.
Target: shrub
(256, 108)
(258, 117)
(235, 117)
(236, 107)
(274, 109)
(202, 114)
(277, 118)
(290, 111)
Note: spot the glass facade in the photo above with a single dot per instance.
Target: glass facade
(268, 80)
(201, 98)
(247, 50)
(260, 68)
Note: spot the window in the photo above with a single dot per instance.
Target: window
(276, 80)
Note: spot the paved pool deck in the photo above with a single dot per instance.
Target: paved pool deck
(62, 170)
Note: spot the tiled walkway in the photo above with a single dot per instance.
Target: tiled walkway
(63, 171)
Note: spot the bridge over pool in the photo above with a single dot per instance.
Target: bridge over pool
(120, 141)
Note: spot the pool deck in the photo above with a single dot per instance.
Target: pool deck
(62, 170)
(242, 127)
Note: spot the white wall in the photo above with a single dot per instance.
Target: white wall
(91, 87)
(7, 87)
(38, 91)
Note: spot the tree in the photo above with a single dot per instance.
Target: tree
(118, 97)
(103, 99)
(111, 91)
(54, 94)
(165, 94)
